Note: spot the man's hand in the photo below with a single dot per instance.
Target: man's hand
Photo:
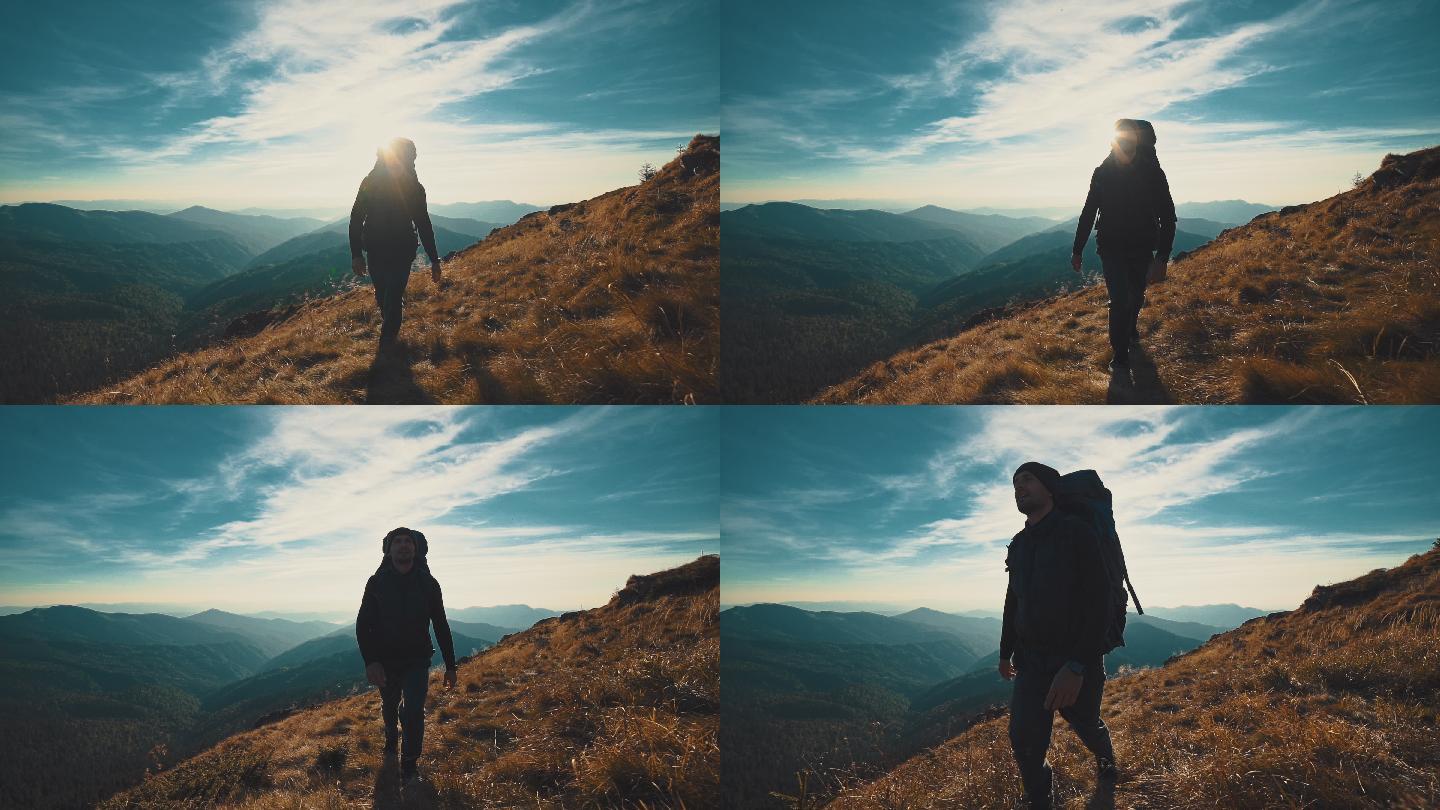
(375, 673)
(1075, 262)
(357, 265)
(449, 677)
(1007, 669)
(1064, 689)
(435, 272)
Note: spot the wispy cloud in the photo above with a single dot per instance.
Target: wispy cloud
(1018, 108)
(514, 505)
(938, 532)
(294, 104)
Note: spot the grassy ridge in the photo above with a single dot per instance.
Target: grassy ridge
(614, 299)
(1331, 705)
(1337, 301)
(613, 707)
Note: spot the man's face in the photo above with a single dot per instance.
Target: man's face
(1031, 496)
(402, 550)
(1124, 145)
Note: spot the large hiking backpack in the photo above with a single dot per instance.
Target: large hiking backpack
(1084, 495)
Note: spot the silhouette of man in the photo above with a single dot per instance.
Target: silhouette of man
(1135, 233)
(389, 209)
(401, 601)
(1056, 608)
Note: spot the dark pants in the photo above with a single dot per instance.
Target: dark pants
(1125, 272)
(410, 680)
(390, 273)
(1030, 721)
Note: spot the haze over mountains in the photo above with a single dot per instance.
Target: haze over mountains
(809, 293)
(90, 694)
(92, 293)
(813, 690)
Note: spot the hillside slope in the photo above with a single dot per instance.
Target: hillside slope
(1332, 705)
(610, 300)
(613, 707)
(1337, 301)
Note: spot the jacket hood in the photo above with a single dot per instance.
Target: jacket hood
(422, 548)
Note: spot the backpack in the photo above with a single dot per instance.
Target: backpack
(1083, 495)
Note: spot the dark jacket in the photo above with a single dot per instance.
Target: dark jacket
(389, 209)
(396, 613)
(1058, 599)
(1135, 207)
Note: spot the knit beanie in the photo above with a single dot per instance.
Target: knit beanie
(1049, 476)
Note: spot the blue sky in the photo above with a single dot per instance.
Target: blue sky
(1011, 103)
(283, 508)
(282, 103)
(912, 505)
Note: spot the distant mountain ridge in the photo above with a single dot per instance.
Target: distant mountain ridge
(44, 221)
(795, 221)
(989, 232)
(257, 233)
(273, 636)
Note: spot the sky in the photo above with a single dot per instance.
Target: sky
(913, 505)
(283, 508)
(1012, 104)
(282, 103)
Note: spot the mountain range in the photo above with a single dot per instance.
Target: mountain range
(813, 295)
(94, 293)
(1328, 302)
(90, 693)
(1331, 704)
(609, 300)
(618, 706)
(810, 691)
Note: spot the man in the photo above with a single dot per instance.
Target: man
(401, 600)
(388, 210)
(1137, 219)
(1056, 609)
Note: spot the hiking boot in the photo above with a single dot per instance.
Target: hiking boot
(409, 774)
(1105, 771)
(1119, 366)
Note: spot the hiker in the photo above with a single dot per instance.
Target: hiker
(1135, 233)
(401, 600)
(389, 209)
(1055, 626)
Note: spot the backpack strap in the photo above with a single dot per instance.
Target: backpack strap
(1138, 609)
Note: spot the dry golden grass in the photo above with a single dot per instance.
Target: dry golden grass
(1336, 302)
(613, 707)
(612, 300)
(1333, 705)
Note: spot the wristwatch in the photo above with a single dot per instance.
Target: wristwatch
(1075, 667)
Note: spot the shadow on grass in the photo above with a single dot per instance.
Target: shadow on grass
(391, 793)
(391, 380)
(1142, 386)
(1104, 796)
